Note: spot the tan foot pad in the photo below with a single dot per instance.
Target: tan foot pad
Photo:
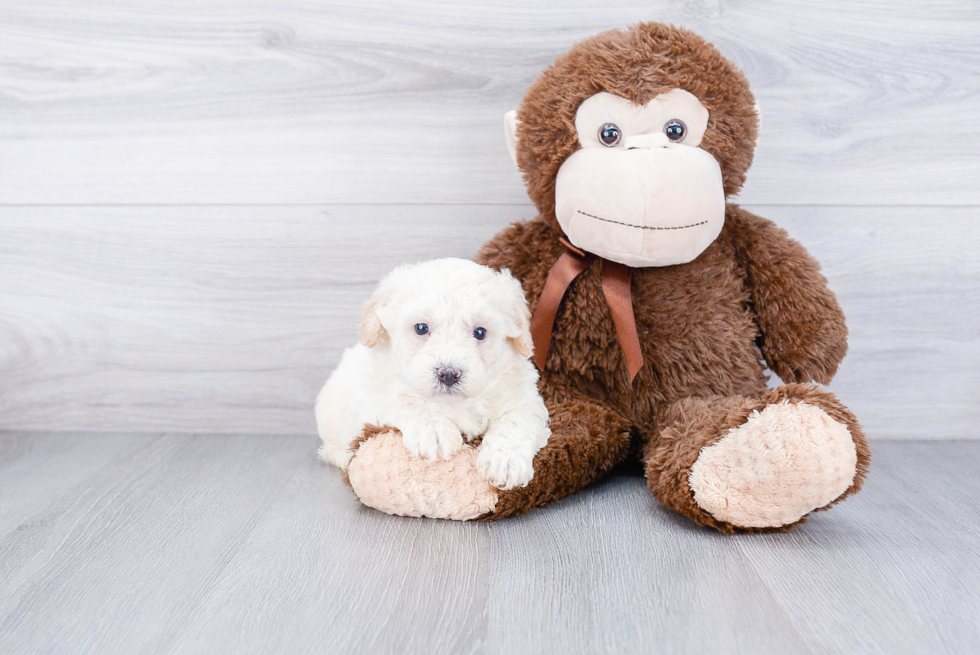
(384, 476)
(782, 463)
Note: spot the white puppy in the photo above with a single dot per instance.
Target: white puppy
(443, 357)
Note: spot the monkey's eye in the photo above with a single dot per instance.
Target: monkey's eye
(675, 129)
(421, 329)
(609, 135)
(480, 334)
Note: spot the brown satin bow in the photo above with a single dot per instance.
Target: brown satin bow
(615, 287)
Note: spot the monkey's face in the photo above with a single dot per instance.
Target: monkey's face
(617, 150)
(640, 190)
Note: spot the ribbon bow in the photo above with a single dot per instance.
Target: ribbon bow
(615, 287)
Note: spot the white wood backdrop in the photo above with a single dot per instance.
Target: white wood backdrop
(195, 197)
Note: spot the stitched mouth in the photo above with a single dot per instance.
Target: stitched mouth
(640, 227)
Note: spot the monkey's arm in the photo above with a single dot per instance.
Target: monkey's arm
(803, 334)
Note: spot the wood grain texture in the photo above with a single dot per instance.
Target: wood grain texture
(197, 319)
(296, 101)
(246, 544)
(943, 571)
(229, 319)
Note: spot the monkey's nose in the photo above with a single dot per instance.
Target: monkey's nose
(448, 376)
(654, 140)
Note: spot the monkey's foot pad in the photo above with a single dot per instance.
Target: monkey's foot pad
(386, 477)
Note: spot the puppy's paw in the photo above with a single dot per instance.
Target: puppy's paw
(432, 439)
(504, 468)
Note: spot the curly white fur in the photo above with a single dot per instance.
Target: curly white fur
(392, 377)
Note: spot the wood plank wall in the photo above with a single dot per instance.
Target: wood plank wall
(196, 197)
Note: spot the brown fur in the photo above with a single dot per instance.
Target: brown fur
(707, 328)
(587, 441)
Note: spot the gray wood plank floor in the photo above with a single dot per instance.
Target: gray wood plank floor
(126, 543)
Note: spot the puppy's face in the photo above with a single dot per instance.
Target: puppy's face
(451, 325)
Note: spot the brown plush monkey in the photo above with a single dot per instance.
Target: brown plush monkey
(657, 305)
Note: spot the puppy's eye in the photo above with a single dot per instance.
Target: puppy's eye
(609, 135)
(421, 329)
(480, 334)
(675, 129)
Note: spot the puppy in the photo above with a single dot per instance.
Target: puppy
(444, 357)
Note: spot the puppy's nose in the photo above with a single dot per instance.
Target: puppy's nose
(448, 376)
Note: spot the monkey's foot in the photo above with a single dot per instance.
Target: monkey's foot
(744, 465)
(386, 477)
(781, 464)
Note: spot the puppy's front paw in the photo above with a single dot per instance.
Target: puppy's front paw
(504, 468)
(432, 439)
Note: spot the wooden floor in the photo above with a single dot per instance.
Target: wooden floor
(124, 543)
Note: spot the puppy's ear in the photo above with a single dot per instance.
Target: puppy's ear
(518, 316)
(371, 327)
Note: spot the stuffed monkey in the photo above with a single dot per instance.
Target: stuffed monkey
(657, 305)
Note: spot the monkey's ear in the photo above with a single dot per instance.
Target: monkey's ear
(510, 130)
(371, 327)
(758, 127)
